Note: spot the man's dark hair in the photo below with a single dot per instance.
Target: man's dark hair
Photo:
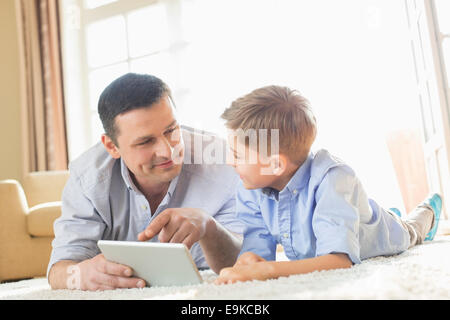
(128, 92)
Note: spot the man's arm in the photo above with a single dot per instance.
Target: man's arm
(264, 270)
(220, 246)
(92, 274)
(74, 261)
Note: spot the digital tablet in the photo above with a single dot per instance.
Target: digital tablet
(159, 264)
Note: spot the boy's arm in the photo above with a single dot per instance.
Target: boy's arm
(340, 202)
(257, 237)
(274, 269)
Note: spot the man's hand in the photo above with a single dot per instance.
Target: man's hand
(100, 274)
(178, 225)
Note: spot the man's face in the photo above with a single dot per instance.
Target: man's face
(150, 142)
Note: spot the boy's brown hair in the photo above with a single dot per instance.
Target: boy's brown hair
(276, 107)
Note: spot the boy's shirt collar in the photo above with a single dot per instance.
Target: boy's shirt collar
(297, 182)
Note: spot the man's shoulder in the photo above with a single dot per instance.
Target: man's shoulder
(205, 157)
(93, 167)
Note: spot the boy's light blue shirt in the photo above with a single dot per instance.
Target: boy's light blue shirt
(323, 209)
(100, 200)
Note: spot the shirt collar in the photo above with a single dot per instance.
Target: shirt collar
(126, 177)
(131, 186)
(300, 177)
(297, 182)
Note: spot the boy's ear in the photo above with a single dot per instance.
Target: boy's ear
(110, 146)
(278, 163)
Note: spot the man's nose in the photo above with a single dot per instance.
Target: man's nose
(164, 149)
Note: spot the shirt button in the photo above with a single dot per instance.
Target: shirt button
(295, 191)
(286, 235)
(144, 207)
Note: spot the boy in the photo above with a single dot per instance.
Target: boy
(309, 202)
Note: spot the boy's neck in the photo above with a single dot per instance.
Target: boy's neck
(281, 182)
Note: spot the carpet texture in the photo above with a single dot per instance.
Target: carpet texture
(423, 272)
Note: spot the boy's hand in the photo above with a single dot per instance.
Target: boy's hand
(264, 270)
(248, 258)
(256, 271)
(249, 266)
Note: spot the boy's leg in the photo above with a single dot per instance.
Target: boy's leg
(423, 221)
(419, 223)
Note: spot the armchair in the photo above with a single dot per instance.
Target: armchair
(27, 213)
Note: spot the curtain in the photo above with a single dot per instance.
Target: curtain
(42, 101)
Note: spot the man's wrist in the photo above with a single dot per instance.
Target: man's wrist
(210, 227)
(59, 273)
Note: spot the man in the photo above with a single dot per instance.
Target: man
(142, 183)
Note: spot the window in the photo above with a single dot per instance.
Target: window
(430, 45)
(350, 58)
(108, 38)
(442, 10)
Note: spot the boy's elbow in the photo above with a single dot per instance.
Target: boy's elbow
(343, 260)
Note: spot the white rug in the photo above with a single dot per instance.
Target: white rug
(422, 272)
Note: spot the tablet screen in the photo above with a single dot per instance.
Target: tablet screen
(159, 264)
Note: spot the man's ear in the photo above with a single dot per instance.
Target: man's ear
(110, 146)
(278, 163)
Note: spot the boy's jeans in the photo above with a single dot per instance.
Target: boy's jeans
(418, 223)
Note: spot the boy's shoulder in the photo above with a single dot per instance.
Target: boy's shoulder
(322, 162)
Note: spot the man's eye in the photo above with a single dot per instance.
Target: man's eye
(173, 134)
(145, 142)
(171, 130)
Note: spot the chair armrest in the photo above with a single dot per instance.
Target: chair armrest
(13, 209)
(40, 219)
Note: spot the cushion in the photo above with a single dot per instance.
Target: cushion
(40, 219)
(44, 186)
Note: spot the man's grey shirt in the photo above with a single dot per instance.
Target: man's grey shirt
(100, 200)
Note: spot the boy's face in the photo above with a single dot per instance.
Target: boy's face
(254, 170)
(149, 142)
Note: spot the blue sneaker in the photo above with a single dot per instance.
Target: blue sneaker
(434, 201)
(396, 211)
